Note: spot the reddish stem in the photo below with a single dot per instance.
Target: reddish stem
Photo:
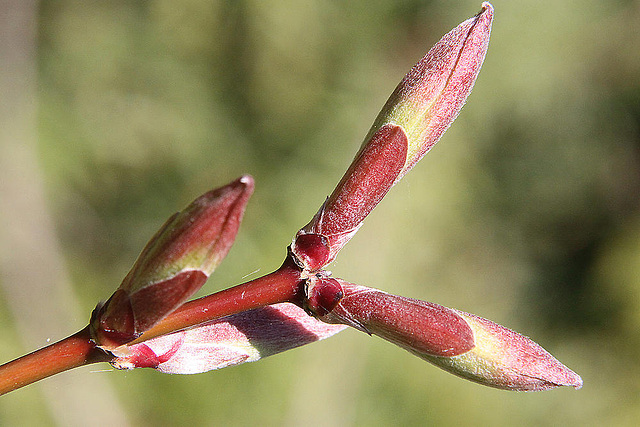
(71, 352)
(283, 285)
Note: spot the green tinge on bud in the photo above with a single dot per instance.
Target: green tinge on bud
(198, 238)
(463, 344)
(431, 95)
(506, 359)
(174, 264)
(421, 108)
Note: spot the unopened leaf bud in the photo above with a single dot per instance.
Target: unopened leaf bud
(461, 343)
(174, 264)
(421, 108)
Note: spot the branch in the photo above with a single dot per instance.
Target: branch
(74, 351)
(283, 285)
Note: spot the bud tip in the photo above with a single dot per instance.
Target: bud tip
(247, 180)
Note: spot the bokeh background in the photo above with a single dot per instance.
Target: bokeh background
(116, 114)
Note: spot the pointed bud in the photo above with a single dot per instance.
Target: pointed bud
(174, 265)
(507, 360)
(244, 337)
(431, 95)
(421, 108)
(463, 344)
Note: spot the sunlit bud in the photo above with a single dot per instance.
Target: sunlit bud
(506, 359)
(232, 340)
(365, 183)
(421, 108)
(174, 265)
(431, 95)
(463, 344)
(415, 325)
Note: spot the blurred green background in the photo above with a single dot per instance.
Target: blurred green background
(527, 212)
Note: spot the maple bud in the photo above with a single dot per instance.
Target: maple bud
(420, 109)
(507, 360)
(365, 183)
(431, 95)
(244, 337)
(412, 324)
(174, 264)
(463, 344)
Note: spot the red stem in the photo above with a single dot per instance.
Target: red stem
(71, 352)
(282, 285)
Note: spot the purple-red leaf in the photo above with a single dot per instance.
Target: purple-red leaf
(244, 337)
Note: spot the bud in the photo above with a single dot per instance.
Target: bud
(415, 325)
(174, 264)
(431, 95)
(507, 360)
(245, 337)
(463, 344)
(322, 295)
(365, 183)
(421, 108)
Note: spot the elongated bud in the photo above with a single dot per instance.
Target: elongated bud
(244, 337)
(507, 360)
(431, 95)
(463, 344)
(421, 108)
(175, 263)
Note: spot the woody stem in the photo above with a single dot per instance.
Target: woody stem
(74, 351)
(282, 285)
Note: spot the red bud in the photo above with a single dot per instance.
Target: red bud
(421, 108)
(366, 182)
(415, 325)
(461, 343)
(174, 265)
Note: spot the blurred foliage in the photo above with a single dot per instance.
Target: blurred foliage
(526, 213)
